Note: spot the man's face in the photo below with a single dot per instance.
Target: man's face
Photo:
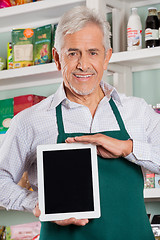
(83, 60)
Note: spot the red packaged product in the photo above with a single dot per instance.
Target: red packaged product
(157, 110)
(25, 101)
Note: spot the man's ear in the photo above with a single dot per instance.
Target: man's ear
(56, 58)
(107, 58)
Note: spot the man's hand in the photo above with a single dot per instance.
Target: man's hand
(66, 222)
(74, 221)
(36, 210)
(107, 147)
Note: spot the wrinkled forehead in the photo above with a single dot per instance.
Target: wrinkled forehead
(81, 26)
(91, 35)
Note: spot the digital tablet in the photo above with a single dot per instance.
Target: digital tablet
(68, 184)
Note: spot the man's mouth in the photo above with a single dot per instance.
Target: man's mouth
(81, 76)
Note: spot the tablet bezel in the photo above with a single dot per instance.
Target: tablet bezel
(95, 182)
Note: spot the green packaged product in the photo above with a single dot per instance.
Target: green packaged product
(22, 44)
(42, 47)
(6, 114)
(2, 64)
(53, 38)
(8, 233)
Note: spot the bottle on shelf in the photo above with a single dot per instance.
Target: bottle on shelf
(152, 29)
(134, 31)
(159, 25)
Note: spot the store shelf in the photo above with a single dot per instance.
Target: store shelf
(120, 4)
(152, 194)
(140, 3)
(138, 60)
(29, 76)
(34, 14)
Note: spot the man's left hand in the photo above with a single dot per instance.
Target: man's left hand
(107, 147)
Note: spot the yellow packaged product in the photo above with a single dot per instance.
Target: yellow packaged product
(19, 2)
(9, 56)
(22, 44)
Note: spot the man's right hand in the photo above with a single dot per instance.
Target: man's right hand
(66, 222)
(74, 221)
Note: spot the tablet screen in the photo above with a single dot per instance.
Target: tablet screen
(68, 181)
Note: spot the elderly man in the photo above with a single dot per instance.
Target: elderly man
(125, 129)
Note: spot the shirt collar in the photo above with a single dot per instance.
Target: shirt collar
(60, 95)
(110, 91)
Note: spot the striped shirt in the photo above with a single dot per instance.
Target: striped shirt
(37, 125)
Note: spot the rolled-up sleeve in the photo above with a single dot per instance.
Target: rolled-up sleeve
(14, 160)
(147, 154)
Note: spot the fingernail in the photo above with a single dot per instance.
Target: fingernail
(85, 222)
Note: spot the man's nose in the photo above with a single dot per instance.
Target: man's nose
(83, 62)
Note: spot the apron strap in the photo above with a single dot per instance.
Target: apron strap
(117, 115)
(59, 119)
(114, 109)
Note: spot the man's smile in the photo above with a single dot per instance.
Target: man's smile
(83, 77)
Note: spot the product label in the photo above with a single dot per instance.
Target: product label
(28, 32)
(6, 114)
(134, 37)
(151, 34)
(23, 52)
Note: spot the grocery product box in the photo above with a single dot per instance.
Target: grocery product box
(6, 114)
(155, 223)
(2, 63)
(157, 181)
(8, 233)
(53, 38)
(10, 107)
(42, 44)
(2, 232)
(25, 231)
(157, 110)
(28, 231)
(150, 180)
(9, 56)
(26, 101)
(22, 47)
(156, 231)
(19, 2)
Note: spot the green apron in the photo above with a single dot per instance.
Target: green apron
(123, 213)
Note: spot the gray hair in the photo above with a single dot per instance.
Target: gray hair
(76, 19)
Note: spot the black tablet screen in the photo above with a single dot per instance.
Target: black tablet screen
(68, 181)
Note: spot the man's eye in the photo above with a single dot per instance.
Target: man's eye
(93, 53)
(72, 54)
